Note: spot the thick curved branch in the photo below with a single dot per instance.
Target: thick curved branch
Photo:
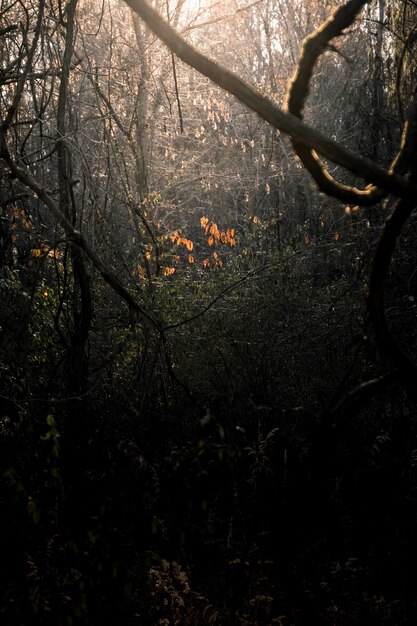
(313, 46)
(286, 122)
(306, 139)
(382, 262)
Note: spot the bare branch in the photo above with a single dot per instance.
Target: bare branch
(313, 46)
(281, 120)
(221, 18)
(21, 82)
(381, 265)
(7, 29)
(73, 235)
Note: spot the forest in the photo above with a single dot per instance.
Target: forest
(208, 312)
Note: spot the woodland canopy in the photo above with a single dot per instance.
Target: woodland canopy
(208, 312)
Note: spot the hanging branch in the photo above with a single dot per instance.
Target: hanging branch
(382, 262)
(306, 140)
(314, 45)
(284, 121)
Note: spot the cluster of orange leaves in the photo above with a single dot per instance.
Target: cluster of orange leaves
(178, 240)
(217, 236)
(44, 251)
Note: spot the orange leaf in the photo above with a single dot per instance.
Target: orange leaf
(190, 259)
(168, 271)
